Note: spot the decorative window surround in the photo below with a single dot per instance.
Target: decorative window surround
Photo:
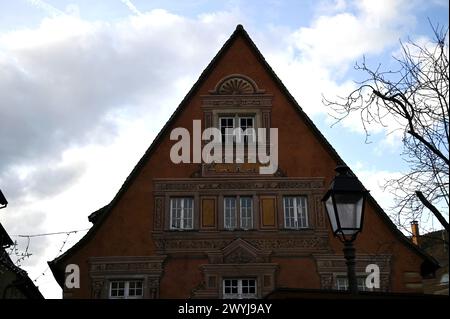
(237, 95)
(330, 267)
(198, 188)
(239, 259)
(103, 270)
(276, 237)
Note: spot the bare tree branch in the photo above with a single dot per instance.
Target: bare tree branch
(414, 100)
(435, 211)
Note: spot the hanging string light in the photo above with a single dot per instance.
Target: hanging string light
(22, 255)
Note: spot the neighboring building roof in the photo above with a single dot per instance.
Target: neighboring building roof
(23, 283)
(429, 265)
(5, 240)
(435, 243)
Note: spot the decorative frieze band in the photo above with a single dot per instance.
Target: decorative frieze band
(232, 101)
(198, 184)
(124, 265)
(305, 244)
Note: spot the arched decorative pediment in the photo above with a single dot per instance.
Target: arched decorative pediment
(239, 251)
(236, 84)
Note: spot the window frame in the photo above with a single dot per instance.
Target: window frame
(296, 209)
(183, 211)
(240, 287)
(126, 288)
(236, 118)
(224, 134)
(238, 211)
(241, 218)
(225, 209)
(341, 283)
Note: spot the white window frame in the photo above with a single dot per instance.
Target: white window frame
(239, 285)
(224, 140)
(126, 289)
(229, 221)
(342, 283)
(241, 210)
(253, 137)
(298, 212)
(237, 124)
(186, 213)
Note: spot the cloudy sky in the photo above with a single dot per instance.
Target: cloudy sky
(86, 85)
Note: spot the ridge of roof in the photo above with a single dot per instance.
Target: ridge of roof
(239, 31)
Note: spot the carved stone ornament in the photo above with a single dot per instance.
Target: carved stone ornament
(161, 187)
(236, 84)
(126, 265)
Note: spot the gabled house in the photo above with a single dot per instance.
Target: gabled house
(14, 281)
(222, 229)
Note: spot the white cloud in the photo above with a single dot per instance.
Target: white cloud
(71, 85)
(338, 40)
(313, 60)
(374, 180)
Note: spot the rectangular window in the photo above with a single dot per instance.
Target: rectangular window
(239, 288)
(227, 123)
(229, 212)
(122, 289)
(117, 289)
(243, 122)
(295, 212)
(233, 205)
(181, 213)
(342, 283)
(246, 208)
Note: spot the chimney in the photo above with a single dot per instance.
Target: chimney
(415, 232)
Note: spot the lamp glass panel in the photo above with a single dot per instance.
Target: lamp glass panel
(349, 208)
(331, 213)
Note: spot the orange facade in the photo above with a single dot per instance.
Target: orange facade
(133, 238)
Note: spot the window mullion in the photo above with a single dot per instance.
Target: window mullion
(182, 214)
(295, 207)
(238, 212)
(305, 206)
(127, 287)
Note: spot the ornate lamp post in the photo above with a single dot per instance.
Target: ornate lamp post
(344, 203)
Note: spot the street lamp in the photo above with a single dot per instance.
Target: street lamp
(344, 202)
